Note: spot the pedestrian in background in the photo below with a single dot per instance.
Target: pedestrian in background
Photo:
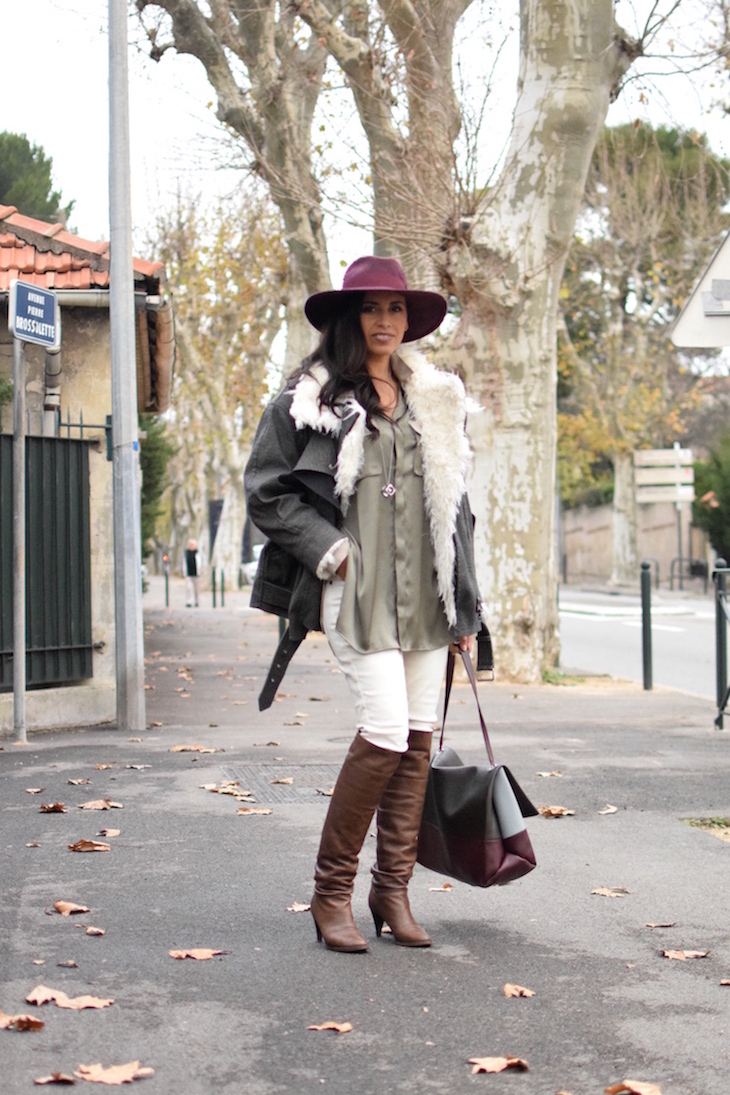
(191, 569)
(358, 477)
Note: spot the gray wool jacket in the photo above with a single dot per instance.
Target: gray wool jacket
(302, 472)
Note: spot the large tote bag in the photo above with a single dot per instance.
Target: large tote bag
(473, 825)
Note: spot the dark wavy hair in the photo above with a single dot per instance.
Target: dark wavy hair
(342, 351)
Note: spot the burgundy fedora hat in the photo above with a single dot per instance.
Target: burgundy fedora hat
(370, 273)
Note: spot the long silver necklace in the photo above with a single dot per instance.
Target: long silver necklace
(388, 488)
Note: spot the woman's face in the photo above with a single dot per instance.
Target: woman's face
(384, 322)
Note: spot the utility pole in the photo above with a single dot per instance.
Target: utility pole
(125, 442)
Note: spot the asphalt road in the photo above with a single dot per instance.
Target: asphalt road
(187, 871)
(602, 633)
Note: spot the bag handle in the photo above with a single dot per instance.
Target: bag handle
(450, 664)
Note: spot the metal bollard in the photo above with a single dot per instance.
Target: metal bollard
(719, 577)
(223, 589)
(646, 624)
(213, 575)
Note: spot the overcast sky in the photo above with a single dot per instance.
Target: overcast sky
(53, 88)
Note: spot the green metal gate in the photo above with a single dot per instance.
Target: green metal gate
(57, 561)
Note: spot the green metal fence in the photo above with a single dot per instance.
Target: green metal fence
(58, 562)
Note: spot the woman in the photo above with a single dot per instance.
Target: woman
(357, 476)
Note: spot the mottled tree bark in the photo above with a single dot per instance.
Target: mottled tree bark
(499, 252)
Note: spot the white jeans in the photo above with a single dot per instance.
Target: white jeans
(395, 691)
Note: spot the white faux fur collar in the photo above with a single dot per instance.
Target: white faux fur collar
(438, 406)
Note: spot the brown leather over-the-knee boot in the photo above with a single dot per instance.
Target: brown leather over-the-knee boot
(399, 819)
(365, 774)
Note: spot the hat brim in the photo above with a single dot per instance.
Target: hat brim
(426, 310)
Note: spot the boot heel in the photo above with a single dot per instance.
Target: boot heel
(319, 933)
(378, 921)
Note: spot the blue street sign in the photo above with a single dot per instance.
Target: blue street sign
(33, 315)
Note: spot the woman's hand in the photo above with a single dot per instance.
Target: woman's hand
(466, 643)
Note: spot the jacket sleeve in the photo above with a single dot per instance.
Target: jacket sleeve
(278, 503)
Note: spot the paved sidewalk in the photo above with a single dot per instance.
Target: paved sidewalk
(187, 871)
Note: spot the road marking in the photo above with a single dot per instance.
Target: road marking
(654, 627)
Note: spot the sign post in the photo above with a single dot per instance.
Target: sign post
(33, 316)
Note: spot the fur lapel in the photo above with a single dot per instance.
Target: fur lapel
(438, 405)
(306, 411)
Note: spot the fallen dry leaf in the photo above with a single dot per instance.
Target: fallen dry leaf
(20, 1022)
(109, 832)
(89, 846)
(53, 808)
(33, 844)
(288, 780)
(446, 888)
(39, 961)
(55, 1078)
(548, 774)
(193, 749)
(340, 1028)
(254, 810)
(682, 956)
(725, 982)
(266, 743)
(301, 715)
(103, 767)
(555, 811)
(633, 1087)
(517, 990)
(41, 994)
(200, 954)
(497, 1064)
(134, 739)
(240, 703)
(114, 1075)
(68, 965)
(656, 924)
(138, 767)
(611, 891)
(91, 930)
(228, 787)
(155, 723)
(298, 907)
(609, 810)
(66, 908)
(78, 782)
(34, 790)
(101, 804)
(327, 794)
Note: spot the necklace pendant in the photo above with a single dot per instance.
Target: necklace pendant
(388, 490)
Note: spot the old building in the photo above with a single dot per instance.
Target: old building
(70, 559)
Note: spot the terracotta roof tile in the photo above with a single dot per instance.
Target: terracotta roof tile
(48, 255)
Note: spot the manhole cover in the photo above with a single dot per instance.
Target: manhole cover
(308, 780)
